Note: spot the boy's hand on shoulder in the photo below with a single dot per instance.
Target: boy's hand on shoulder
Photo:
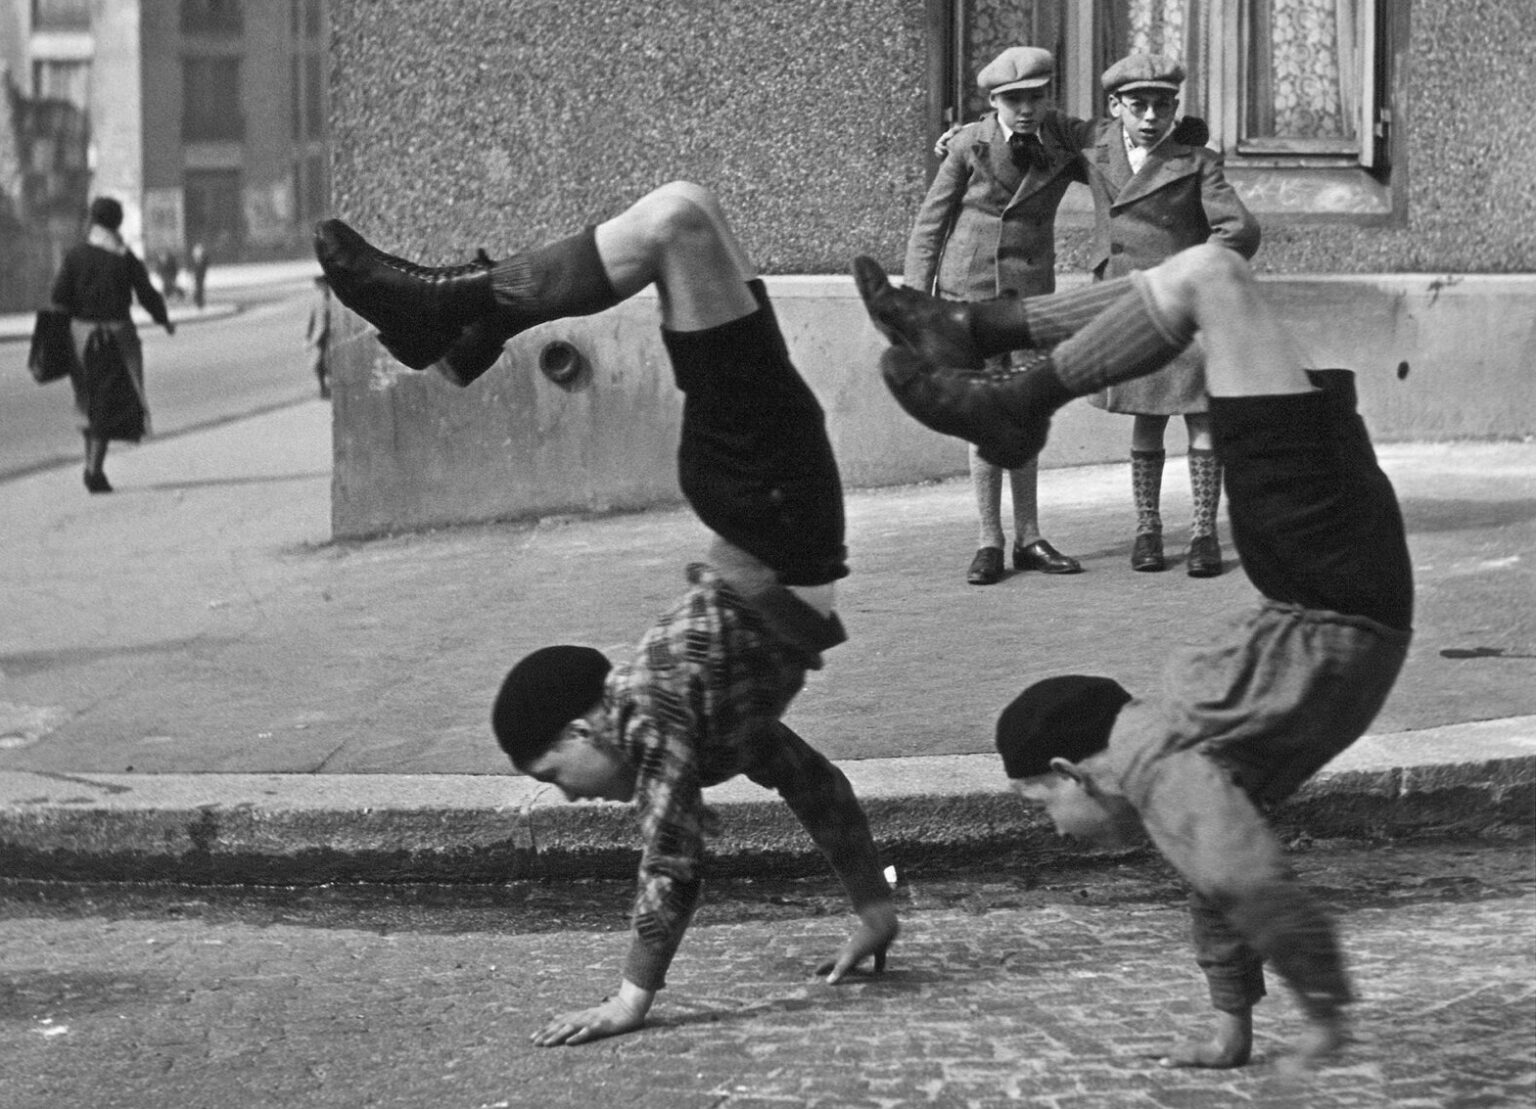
(623, 1012)
(941, 147)
(877, 928)
(1190, 131)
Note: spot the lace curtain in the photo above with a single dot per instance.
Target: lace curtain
(1299, 51)
(994, 25)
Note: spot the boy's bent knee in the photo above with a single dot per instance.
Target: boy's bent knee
(1178, 284)
(678, 214)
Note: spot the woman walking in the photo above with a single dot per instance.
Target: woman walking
(96, 285)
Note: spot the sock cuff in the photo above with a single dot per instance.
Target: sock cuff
(566, 277)
(1201, 452)
(1177, 333)
(1150, 456)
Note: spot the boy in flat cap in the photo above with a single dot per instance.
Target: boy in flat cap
(1152, 197)
(700, 700)
(987, 228)
(1239, 725)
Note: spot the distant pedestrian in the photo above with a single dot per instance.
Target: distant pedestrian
(317, 335)
(168, 266)
(96, 285)
(197, 266)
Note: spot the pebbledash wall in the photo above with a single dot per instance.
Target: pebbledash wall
(466, 123)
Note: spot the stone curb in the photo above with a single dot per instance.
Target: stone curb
(311, 829)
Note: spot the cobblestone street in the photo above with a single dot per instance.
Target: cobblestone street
(1006, 987)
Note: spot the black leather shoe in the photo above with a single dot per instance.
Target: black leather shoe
(1204, 557)
(98, 483)
(419, 310)
(939, 330)
(1040, 555)
(1006, 414)
(986, 568)
(1147, 554)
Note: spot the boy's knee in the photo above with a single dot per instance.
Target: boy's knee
(1180, 283)
(1204, 265)
(680, 209)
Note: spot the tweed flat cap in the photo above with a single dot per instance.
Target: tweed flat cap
(1018, 67)
(1143, 71)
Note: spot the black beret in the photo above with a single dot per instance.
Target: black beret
(1067, 717)
(542, 694)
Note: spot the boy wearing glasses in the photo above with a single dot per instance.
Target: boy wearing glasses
(1153, 196)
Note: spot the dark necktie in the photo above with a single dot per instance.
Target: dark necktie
(1028, 151)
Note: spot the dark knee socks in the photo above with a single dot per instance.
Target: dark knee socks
(1101, 334)
(563, 278)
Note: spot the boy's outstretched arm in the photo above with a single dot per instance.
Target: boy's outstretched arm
(622, 1012)
(819, 795)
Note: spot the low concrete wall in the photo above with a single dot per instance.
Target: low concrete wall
(414, 452)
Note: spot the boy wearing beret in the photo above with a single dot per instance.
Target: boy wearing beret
(700, 700)
(1237, 726)
(1153, 196)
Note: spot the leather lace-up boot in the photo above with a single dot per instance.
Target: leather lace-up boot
(418, 310)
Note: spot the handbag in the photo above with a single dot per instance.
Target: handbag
(52, 354)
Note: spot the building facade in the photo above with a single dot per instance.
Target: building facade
(1378, 141)
(208, 119)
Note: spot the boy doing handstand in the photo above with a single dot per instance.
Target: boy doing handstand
(700, 700)
(1237, 726)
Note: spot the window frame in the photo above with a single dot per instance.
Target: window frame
(1283, 180)
(1366, 149)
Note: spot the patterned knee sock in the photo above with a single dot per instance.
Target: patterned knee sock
(1205, 484)
(1131, 338)
(1147, 489)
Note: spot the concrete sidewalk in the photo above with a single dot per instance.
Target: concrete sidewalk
(196, 684)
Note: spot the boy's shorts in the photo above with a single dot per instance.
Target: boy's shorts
(1274, 699)
(754, 460)
(1314, 520)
